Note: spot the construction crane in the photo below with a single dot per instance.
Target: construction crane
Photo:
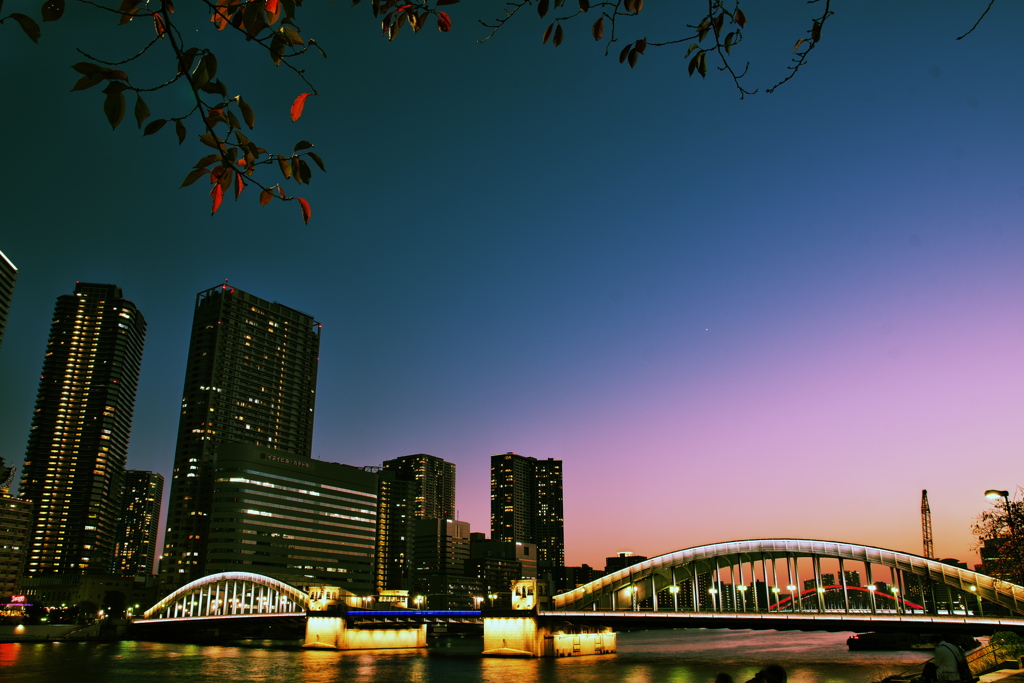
(926, 526)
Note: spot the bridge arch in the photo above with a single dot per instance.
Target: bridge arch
(230, 594)
(707, 572)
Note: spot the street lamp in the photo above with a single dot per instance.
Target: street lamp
(674, 590)
(492, 597)
(417, 601)
(743, 596)
(713, 592)
(775, 590)
(793, 598)
(896, 597)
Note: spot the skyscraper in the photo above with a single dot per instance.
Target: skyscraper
(8, 274)
(526, 505)
(136, 547)
(75, 461)
(413, 487)
(250, 378)
(435, 484)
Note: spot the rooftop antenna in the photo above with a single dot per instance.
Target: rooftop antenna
(926, 526)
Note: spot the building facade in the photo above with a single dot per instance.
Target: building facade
(15, 523)
(8, 276)
(302, 521)
(435, 484)
(78, 443)
(136, 548)
(526, 505)
(250, 378)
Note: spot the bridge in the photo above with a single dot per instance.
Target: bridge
(761, 583)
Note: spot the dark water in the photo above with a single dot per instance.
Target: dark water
(692, 656)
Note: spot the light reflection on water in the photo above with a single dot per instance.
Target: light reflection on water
(645, 657)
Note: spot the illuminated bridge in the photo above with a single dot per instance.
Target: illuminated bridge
(762, 584)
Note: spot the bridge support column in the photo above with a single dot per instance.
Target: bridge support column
(527, 637)
(332, 633)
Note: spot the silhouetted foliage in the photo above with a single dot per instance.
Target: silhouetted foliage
(1000, 541)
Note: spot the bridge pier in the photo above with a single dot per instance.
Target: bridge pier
(527, 636)
(332, 633)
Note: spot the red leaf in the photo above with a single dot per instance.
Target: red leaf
(158, 25)
(306, 212)
(239, 185)
(298, 105)
(218, 196)
(444, 22)
(272, 6)
(266, 196)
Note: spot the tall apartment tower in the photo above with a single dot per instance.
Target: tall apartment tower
(8, 275)
(78, 443)
(136, 548)
(250, 379)
(526, 505)
(435, 484)
(412, 487)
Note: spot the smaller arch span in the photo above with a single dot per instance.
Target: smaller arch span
(230, 594)
(772, 561)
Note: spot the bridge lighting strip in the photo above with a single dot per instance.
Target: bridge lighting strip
(219, 616)
(413, 613)
(798, 616)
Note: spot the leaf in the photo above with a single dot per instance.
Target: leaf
(273, 6)
(799, 43)
(207, 160)
(218, 196)
(446, 2)
(298, 105)
(141, 110)
(702, 64)
(547, 34)
(30, 27)
(53, 10)
(444, 22)
(728, 42)
(88, 81)
(559, 36)
(632, 57)
(598, 29)
(201, 75)
(641, 45)
(158, 25)
(248, 115)
(584, 5)
(285, 166)
(194, 175)
(624, 54)
(179, 128)
(816, 32)
(114, 106)
(302, 144)
(739, 17)
(306, 211)
(153, 126)
(316, 158)
(542, 7)
(239, 185)
(693, 46)
(266, 196)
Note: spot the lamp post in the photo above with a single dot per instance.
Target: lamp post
(896, 597)
(776, 590)
(743, 596)
(713, 592)
(674, 590)
(794, 598)
(871, 591)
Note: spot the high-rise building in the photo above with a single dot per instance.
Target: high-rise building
(526, 505)
(302, 521)
(413, 487)
(250, 379)
(435, 484)
(136, 548)
(78, 443)
(439, 576)
(8, 275)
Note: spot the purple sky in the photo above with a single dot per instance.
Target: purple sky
(782, 316)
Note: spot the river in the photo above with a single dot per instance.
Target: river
(679, 656)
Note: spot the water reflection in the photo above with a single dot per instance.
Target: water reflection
(651, 657)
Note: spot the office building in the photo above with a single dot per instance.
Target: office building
(302, 521)
(78, 443)
(15, 522)
(440, 555)
(136, 549)
(8, 275)
(250, 378)
(526, 505)
(435, 484)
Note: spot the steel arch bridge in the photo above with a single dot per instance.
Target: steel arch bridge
(769, 575)
(231, 594)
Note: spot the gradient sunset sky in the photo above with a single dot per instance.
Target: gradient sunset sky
(782, 316)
